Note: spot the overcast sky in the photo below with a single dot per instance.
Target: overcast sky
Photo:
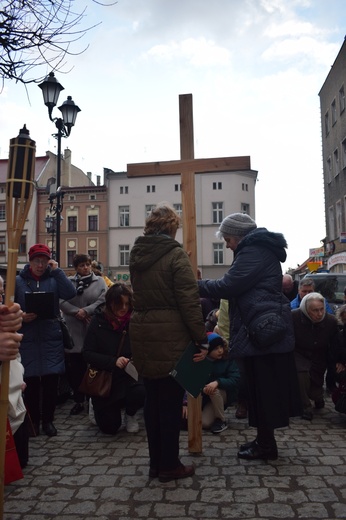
(254, 68)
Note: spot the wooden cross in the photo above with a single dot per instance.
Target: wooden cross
(187, 167)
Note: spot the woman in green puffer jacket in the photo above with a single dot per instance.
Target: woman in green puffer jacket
(167, 315)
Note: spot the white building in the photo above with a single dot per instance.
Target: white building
(217, 194)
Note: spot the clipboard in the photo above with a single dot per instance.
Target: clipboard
(41, 303)
(191, 375)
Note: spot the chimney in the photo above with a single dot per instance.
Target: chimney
(98, 178)
(66, 170)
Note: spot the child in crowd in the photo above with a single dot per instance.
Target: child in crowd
(221, 391)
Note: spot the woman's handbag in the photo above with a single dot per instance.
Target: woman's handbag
(96, 383)
(267, 329)
(66, 336)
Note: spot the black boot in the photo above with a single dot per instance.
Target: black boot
(263, 447)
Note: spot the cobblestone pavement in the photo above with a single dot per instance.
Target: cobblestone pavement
(83, 474)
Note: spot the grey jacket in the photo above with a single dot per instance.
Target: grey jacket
(93, 295)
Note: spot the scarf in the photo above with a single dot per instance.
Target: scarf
(304, 305)
(118, 322)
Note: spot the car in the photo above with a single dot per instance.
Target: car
(331, 286)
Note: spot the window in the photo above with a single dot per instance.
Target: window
(124, 190)
(326, 123)
(333, 112)
(93, 254)
(70, 255)
(124, 253)
(245, 208)
(92, 222)
(331, 223)
(22, 245)
(217, 212)
(2, 244)
(178, 208)
(329, 170)
(217, 185)
(177, 187)
(148, 208)
(336, 162)
(71, 224)
(2, 212)
(342, 99)
(218, 254)
(71, 197)
(338, 218)
(151, 189)
(245, 186)
(124, 216)
(343, 147)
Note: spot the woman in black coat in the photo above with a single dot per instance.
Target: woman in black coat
(316, 340)
(107, 347)
(253, 286)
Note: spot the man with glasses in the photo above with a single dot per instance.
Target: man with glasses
(42, 349)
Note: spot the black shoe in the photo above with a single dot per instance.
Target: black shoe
(49, 429)
(78, 408)
(247, 445)
(256, 451)
(319, 404)
(218, 426)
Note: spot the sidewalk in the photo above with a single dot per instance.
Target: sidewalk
(85, 475)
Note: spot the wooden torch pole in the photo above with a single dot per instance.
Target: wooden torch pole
(19, 187)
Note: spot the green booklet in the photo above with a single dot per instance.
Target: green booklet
(192, 375)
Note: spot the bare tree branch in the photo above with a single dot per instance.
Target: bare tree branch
(39, 32)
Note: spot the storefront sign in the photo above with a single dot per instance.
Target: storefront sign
(339, 258)
(316, 252)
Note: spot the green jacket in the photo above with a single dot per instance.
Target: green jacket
(167, 311)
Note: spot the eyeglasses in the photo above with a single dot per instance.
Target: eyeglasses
(39, 261)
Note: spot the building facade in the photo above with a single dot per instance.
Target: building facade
(217, 194)
(84, 223)
(333, 122)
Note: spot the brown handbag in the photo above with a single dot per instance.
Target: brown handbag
(98, 383)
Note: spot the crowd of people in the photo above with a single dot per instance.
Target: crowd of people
(137, 332)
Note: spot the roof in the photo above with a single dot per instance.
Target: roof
(40, 165)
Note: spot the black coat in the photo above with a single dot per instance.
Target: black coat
(315, 344)
(253, 286)
(101, 350)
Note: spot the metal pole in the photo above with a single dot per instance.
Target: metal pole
(59, 124)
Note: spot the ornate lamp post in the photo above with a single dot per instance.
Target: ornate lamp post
(51, 89)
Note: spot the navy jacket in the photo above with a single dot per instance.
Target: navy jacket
(42, 350)
(253, 286)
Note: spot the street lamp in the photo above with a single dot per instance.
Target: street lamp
(50, 223)
(51, 89)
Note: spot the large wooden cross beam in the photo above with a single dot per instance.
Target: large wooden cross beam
(187, 167)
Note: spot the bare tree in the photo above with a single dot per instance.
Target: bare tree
(38, 32)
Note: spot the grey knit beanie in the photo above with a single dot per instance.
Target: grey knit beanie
(237, 224)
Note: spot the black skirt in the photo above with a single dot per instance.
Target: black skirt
(273, 388)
